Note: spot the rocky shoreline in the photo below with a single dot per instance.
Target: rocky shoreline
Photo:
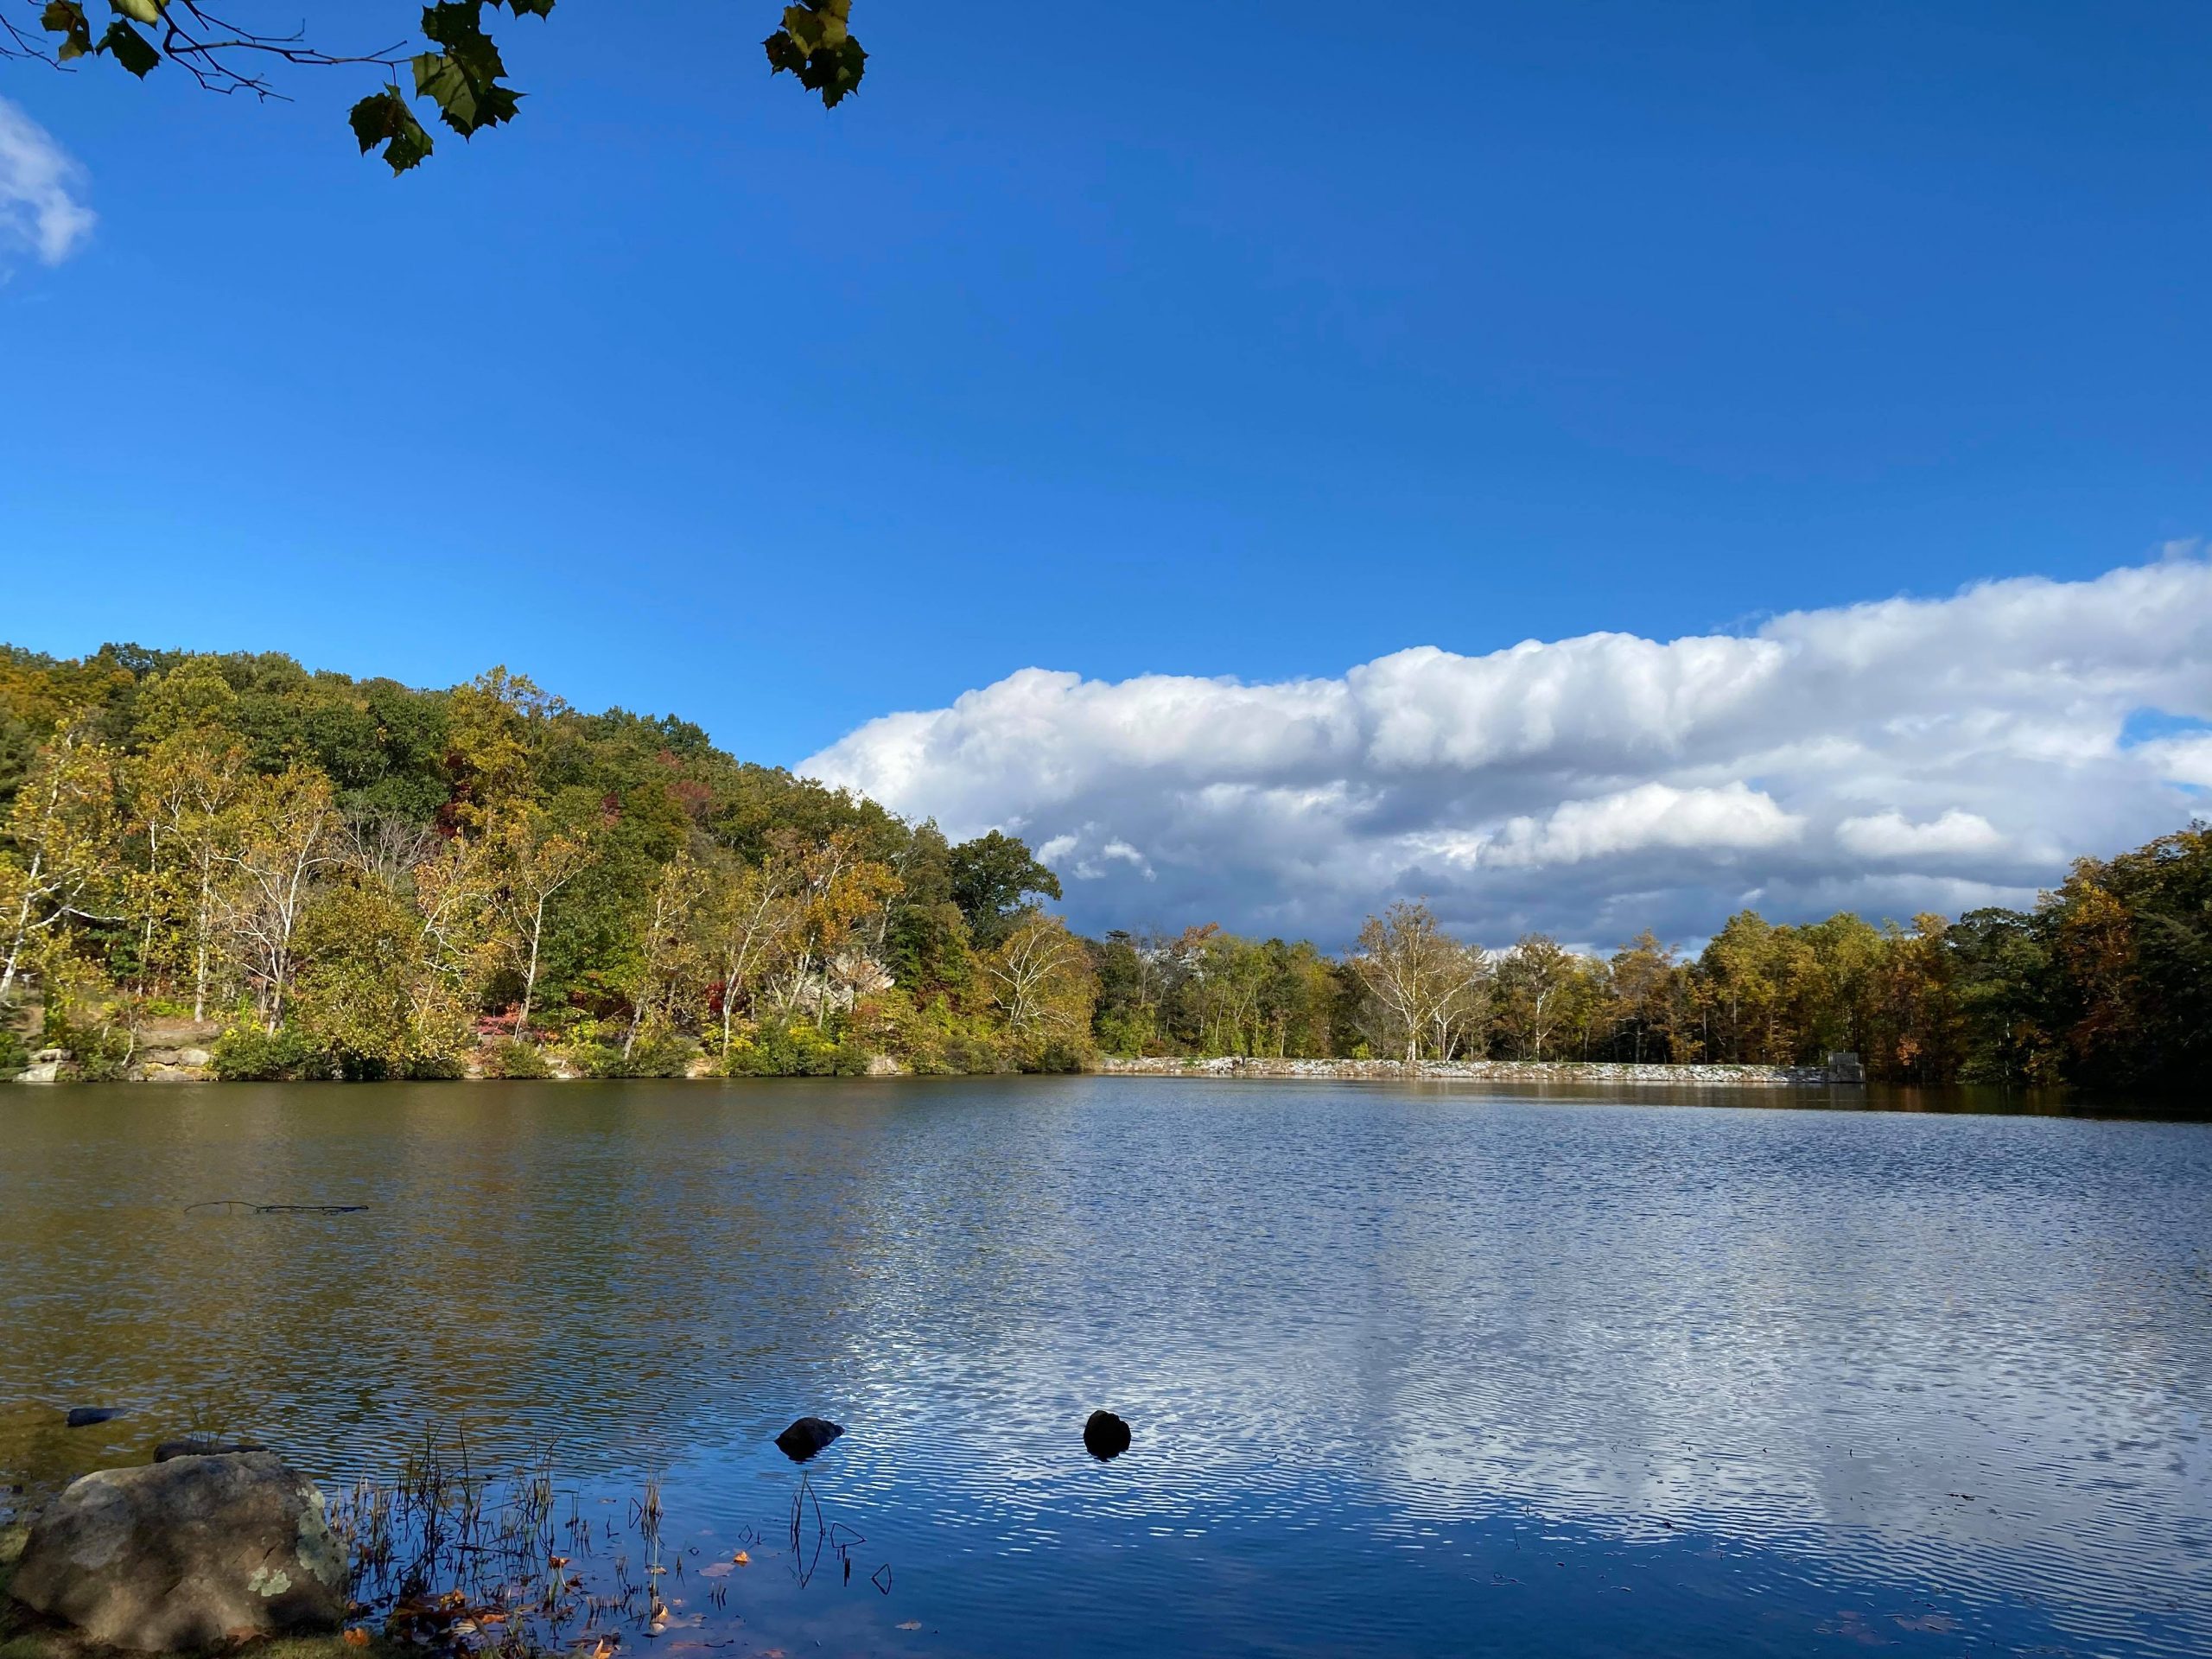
(181, 1054)
(1842, 1068)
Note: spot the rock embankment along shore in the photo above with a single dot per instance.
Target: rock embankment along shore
(1840, 1069)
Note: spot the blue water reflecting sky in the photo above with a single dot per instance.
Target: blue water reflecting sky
(1410, 1370)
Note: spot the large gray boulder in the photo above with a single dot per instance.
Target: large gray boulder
(192, 1553)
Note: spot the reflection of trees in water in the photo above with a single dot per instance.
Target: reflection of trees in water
(607, 1260)
(1593, 1309)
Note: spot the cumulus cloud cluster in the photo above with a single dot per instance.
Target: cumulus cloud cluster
(1889, 757)
(41, 206)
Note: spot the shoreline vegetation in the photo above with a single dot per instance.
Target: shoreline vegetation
(227, 865)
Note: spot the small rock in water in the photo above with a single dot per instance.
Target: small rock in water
(1105, 1436)
(86, 1416)
(168, 1449)
(806, 1437)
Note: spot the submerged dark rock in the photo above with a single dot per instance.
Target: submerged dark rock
(194, 1553)
(806, 1437)
(86, 1416)
(168, 1449)
(1105, 1436)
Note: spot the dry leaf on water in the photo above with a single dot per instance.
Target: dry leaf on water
(742, 1559)
(912, 1624)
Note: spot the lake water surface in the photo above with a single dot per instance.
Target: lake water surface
(1412, 1369)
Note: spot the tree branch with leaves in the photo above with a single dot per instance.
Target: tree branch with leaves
(456, 67)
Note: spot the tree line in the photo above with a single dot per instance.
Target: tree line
(358, 879)
(2107, 984)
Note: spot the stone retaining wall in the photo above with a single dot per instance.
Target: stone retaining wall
(1568, 1072)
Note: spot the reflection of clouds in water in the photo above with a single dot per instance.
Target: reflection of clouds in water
(1808, 1333)
(1343, 1323)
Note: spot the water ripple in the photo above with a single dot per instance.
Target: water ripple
(1411, 1370)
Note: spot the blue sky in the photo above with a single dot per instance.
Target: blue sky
(1259, 349)
(1253, 340)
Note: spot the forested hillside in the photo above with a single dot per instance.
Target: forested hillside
(363, 879)
(358, 879)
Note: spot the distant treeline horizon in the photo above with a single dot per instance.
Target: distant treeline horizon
(359, 878)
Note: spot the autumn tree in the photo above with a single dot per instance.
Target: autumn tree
(1426, 991)
(1297, 1001)
(284, 834)
(186, 796)
(2096, 943)
(1536, 981)
(1649, 998)
(1041, 982)
(668, 939)
(495, 725)
(2132, 940)
(535, 862)
(59, 861)
(1736, 997)
(395, 945)
(748, 919)
(1227, 978)
(839, 896)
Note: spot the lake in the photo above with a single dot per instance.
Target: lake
(1411, 1368)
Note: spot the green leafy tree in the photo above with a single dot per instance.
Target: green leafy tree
(995, 879)
(370, 995)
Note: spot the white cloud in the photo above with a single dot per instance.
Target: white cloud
(41, 191)
(2182, 759)
(1715, 822)
(1891, 757)
(1892, 835)
(1085, 855)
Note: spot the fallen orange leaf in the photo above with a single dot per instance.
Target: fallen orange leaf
(357, 1637)
(742, 1559)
